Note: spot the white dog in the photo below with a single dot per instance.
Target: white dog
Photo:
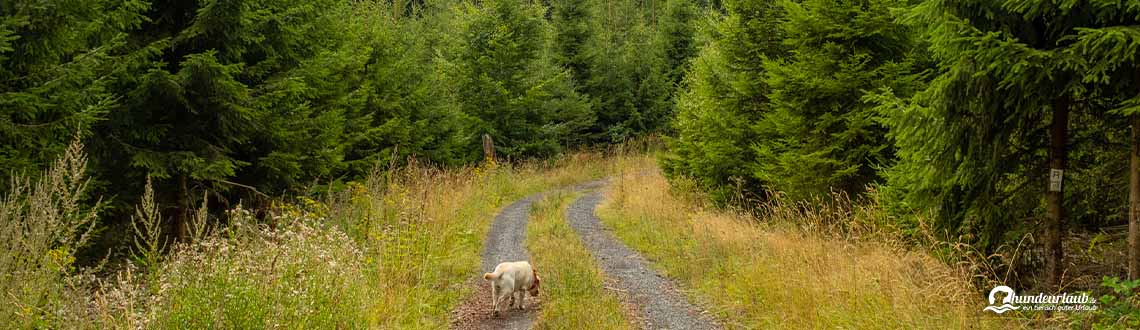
(514, 280)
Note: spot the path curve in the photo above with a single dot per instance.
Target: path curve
(506, 241)
(658, 301)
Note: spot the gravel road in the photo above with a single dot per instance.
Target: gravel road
(506, 241)
(660, 305)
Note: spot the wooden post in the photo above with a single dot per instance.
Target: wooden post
(488, 149)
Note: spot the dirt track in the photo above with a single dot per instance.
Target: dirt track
(659, 303)
(506, 241)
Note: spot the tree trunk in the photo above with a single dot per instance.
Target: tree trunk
(1134, 202)
(1054, 197)
(183, 209)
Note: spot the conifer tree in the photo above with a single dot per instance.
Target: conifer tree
(725, 95)
(1001, 100)
(676, 30)
(820, 135)
(1107, 50)
(223, 106)
(56, 64)
(571, 20)
(509, 84)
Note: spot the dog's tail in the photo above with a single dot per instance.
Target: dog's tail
(490, 276)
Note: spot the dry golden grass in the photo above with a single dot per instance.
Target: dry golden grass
(573, 289)
(779, 275)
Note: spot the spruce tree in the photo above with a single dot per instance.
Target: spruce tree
(509, 84)
(820, 136)
(725, 95)
(993, 125)
(224, 105)
(676, 31)
(57, 60)
(1107, 50)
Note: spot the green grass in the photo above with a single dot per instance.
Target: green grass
(573, 292)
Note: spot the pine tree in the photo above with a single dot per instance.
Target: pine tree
(508, 83)
(1002, 98)
(725, 95)
(820, 136)
(56, 63)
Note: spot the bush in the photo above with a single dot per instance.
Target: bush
(1117, 309)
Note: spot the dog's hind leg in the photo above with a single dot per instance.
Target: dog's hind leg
(494, 300)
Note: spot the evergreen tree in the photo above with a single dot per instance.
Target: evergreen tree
(224, 105)
(995, 118)
(676, 30)
(402, 104)
(629, 82)
(571, 19)
(820, 135)
(1110, 69)
(56, 63)
(508, 83)
(725, 95)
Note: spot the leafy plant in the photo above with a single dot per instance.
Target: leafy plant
(1118, 309)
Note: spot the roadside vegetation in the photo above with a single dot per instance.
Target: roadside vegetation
(792, 268)
(389, 252)
(574, 292)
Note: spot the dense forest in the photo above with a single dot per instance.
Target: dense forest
(953, 110)
(246, 99)
(984, 122)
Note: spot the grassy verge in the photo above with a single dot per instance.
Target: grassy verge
(767, 276)
(389, 252)
(573, 293)
(426, 229)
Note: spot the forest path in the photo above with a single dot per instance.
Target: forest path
(660, 305)
(506, 241)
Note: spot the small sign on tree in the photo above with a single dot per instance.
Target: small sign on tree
(1055, 177)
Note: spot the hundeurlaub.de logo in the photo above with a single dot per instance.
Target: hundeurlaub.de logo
(1040, 302)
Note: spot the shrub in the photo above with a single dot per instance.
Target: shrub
(1117, 309)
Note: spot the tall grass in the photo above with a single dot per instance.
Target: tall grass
(390, 251)
(797, 267)
(574, 293)
(43, 223)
